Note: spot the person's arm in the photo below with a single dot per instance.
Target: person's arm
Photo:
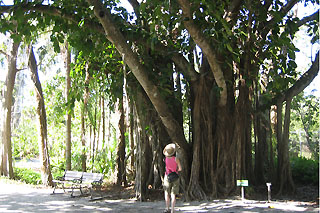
(179, 165)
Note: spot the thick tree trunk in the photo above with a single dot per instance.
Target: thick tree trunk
(121, 152)
(273, 126)
(222, 176)
(158, 138)
(6, 149)
(43, 139)
(68, 113)
(202, 149)
(151, 138)
(261, 148)
(241, 147)
(142, 160)
(284, 168)
(264, 154)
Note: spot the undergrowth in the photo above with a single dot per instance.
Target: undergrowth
(26, 175)
(305, 171)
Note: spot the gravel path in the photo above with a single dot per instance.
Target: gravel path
(24, 198)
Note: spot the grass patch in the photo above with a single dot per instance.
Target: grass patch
(26, 175)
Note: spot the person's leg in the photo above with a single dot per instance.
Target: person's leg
(167, 199)
(167, 192)
(174, 192)
(173, 202)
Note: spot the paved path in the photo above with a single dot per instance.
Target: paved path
(24, 198)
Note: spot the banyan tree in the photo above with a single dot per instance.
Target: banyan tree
(206, 75)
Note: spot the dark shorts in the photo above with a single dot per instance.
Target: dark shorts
(171, 188)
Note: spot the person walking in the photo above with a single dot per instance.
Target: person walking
(171, 177)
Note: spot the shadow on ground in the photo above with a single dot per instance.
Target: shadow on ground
(24, 198)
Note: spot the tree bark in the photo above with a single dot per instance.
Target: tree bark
(6, 149)
(205, 45)
(142, 162)
(202, 132)
(131, 135)
(121, 153)
(261, 147)
(103, 118)
(93, 128)
(150, 137)
(83, 115)
(242, 135)
(43, 135)
(68, 113)
(284, 168)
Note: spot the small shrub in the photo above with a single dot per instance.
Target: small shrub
(57, 166)
(27, 176)
(305, 171)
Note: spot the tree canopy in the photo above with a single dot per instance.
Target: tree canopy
(219, 66)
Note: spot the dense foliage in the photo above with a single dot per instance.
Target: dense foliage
(28, 176)
(305, 171)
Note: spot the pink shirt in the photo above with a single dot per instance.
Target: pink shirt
(171, 165)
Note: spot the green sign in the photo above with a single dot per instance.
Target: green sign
(242, 183)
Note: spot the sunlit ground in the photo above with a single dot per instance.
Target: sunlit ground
(23, 198)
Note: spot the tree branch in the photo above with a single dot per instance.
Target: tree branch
(290, 4)
(51, 10)
(206, 48)
(233, 10)
(314, 16)
(185, 67)
(4, 53)
(285, 9)
(135, 4)
(267, 4)
(302, 82)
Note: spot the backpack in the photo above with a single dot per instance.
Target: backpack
(173, 176)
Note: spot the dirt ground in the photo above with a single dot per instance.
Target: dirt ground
(18, 197)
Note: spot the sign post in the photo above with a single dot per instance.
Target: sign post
(269, 191)
(242, 183)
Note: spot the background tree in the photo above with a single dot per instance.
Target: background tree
(306, 120)
(42, 116)
(67, 56)
(6, 148)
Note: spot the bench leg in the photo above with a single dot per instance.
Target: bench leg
(63, 188)
(56, 186)
(97, 189)
(72, 188)
(91, 193)
(54, 189)
(81, 190)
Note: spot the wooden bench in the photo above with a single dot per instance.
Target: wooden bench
(69, 178)
(91, 181)
(80, 180)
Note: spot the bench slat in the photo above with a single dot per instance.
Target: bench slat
(92, 177)
(72, 175)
